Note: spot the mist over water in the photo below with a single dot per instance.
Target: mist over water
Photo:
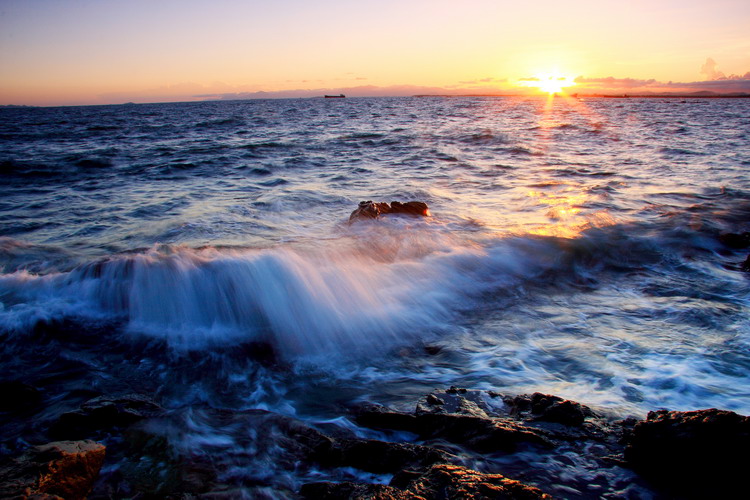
(572, 249)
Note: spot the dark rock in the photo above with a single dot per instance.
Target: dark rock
(104, 413)
(379, 417)
(432, 350)
(696, 453)
(373, 210)
(18, 396)
(416, 208)
(555, 409)
(454, 418)
(434, 400)
(548, 408)
(62, 469)
(745, 266)
(480, 434)
(380, 456)
(349, 491)
(441, 481)
(735, 240)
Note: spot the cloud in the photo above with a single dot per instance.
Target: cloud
(614, 83)
(709, 69)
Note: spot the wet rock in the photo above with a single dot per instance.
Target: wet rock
(377, 416)
(549, 408)
(745, 266)
(735, 240)
(696, 453)
(18, 396)
(477, 433)
(349, 490)
(438, 482)
(457, 420)
(377, 456)
(104, 413)
(62, 469)
(373, 210)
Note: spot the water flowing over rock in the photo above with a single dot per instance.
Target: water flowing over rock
(61, 469)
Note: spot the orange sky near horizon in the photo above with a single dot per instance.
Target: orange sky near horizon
(95, 52)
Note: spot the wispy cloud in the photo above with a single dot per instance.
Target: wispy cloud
(614, 83)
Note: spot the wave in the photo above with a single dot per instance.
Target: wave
(368, 294)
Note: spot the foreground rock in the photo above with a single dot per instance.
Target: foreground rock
(373, 210)
(104, 413)
(696, 453)
(62, 469)
(438, 482)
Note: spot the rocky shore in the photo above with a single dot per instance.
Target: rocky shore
(457, 443)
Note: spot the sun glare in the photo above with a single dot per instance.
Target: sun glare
(549, 83)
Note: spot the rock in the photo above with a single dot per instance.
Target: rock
(373, 210)
(478, 433)
(349, 490)
(18, 396)
(457, 420)
(438, 482)
(745, 266)
(696, 453)
(549, 408)
(735, 240)
(376, 456)
(62, 469)
(104, 413)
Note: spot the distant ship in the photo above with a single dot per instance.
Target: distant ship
(340, 96)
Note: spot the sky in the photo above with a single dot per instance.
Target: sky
(67, 52)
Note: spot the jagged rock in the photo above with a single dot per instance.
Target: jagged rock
(478, 433)
(700, 453)
(441, 481)
(104, 413)
(373, 210)
(62, 469)
(18, 396)
(549, 408)
(457, 420)
(745, 266)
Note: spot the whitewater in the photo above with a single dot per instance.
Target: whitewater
(202, 254)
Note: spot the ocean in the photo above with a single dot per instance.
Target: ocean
(201, 254)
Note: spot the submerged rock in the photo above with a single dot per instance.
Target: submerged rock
(441, 481)
(700, 453)
(62, 469)
(373, 210)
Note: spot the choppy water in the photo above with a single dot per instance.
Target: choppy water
(572, 249)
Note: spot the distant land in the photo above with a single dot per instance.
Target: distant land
(705, 94)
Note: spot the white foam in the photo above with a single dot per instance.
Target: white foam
(349, 295)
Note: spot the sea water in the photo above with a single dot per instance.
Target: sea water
(572, 248)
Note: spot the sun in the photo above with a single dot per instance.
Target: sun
(549, 83)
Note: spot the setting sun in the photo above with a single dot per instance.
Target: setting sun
(548, 83)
